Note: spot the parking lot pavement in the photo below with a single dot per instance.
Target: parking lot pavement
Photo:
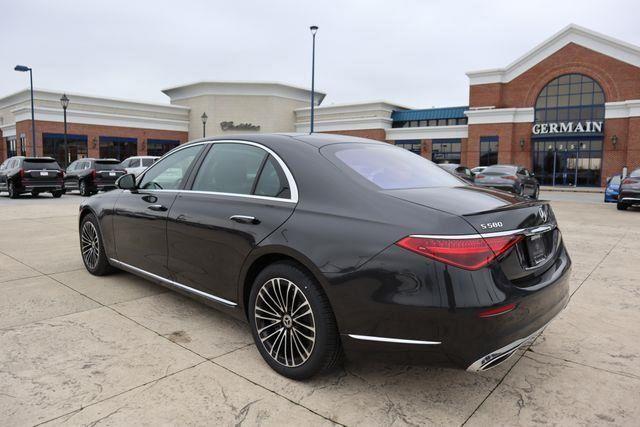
(78, 349)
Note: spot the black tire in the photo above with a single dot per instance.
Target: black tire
(97, 265)
(11, 188)
(622, 206)
(57, 194)
(323, 352)
(35, 193)
(536, 193)
(84, 189)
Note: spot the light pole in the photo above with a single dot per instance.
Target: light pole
(23, 69)
(314, 30)
(204, 118)
(65, 103)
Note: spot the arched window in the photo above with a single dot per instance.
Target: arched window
(570, 98)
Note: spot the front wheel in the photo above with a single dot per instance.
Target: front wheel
(13, 193)
(622, 206)
(92, 248)
(292, 323)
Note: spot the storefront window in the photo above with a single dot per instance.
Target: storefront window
(53, 146)
(12, 146)
(158, 147)
(488, 150)
(117, 147)
(413, 145)
(446, 150)
(569, 157)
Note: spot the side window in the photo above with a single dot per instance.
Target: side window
(134, 163)
(169, 173)
(4, 164)
(272, 181)
(229, 168)
(72, 166)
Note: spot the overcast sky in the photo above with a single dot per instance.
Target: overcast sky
(413, 53)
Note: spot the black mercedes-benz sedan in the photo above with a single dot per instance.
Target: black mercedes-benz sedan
(629, 193)
(328, 243)
(33, 175)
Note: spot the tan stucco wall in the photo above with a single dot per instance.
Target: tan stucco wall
(271, 113)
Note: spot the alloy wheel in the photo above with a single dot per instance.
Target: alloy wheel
(90, 245)
(285, 322)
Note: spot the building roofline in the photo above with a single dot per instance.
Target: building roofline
(572, 33)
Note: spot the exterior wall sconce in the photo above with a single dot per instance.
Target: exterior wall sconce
(522, 143)
(614, 140)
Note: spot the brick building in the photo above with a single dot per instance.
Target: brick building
(568, 109)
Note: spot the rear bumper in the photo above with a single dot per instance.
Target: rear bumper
(428, 312)
(629, 196)
(43, 187)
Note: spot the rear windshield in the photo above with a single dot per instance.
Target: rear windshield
(40, 164)
(635, 173)
(499, 170)
(147, 162)
(105, 165)
(615, 180)
(390, 168)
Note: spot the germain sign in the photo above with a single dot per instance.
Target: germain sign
(567, 127)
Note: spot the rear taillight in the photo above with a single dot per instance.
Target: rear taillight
(629, 181)
(493, 312)
(93, 173)
(480, 176)
(21, 173)
(511, 177)
(60, 174)
(468, 253)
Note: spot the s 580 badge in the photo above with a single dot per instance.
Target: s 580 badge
(491, 225)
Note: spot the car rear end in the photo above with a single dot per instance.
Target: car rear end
(500, 177)
(630, 189)
(105, 173)
(41, 174)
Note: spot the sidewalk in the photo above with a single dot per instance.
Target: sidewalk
(572, 189)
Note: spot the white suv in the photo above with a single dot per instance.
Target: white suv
(136, 165)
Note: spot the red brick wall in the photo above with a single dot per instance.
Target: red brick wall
(93, 132)
(377, 134)
(619, 80)
(614, 159)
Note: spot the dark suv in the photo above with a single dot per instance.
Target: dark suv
(629, 191)
(92, 175)
(31, 174)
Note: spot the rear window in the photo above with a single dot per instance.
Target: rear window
(615, 180)
(40, 164)
(390, 168)
(147, 162)
(500, 170)
(105, 165)
(635, 173)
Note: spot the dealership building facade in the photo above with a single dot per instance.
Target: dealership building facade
(569, 110)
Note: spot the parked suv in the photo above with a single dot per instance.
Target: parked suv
(137, 164)
(92, 175)
(515, 179)
(629, 191)
(31, 174)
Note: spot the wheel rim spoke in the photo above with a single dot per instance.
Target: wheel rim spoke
(285, 322)
(90, 245)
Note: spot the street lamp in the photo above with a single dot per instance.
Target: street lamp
(24, 69)
(204, 118)
(314, 30)
(65, 103)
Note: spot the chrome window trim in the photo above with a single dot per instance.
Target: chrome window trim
(293, 187)
(526, 231)
(174, 284)
(392, 340)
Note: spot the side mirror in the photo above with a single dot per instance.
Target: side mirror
(126, 182)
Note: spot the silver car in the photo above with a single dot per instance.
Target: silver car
(137, 164)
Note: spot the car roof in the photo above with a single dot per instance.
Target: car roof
(318, 140)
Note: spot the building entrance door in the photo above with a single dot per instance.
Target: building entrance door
(568, 162)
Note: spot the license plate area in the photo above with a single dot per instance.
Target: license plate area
(44, 173)
(538, 248)
(112, 174)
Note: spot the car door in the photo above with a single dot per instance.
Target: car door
(140, 216)
(239, 195)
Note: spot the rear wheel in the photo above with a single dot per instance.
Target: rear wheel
(35, 193)
(91, 247)
(84, 189)
(292, 323)
(57, 194)
(622, 206)
(13, 193)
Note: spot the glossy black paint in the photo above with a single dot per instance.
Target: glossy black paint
(344, 233)
(84, 170)
(33, 177)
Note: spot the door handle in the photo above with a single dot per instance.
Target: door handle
(157, 208)
(244, 219)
